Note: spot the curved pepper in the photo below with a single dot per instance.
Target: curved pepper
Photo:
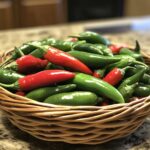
(24, 49)
(145, 79)
(105, 49)
(96, 61)
(127, 91)
(9, 76)
(120, 64)
(78, 98)
(115, 76)
(142, 91)
(133, 79)
(87, 47)
(60, 44)
(61, 58)
(98, 86)
(126, 51)
(27, 64)
(40, 79)
(42, 93)
(92, 37)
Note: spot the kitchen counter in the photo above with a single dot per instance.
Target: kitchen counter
(11, 138)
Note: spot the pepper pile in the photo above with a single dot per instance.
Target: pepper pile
(83, 70)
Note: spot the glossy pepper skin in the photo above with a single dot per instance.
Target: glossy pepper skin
(42, 93)
(88, 47)
(126, 51)
(120, 64)
(24, 49)
(40, 79)
(145, 79)
(98, 86)
(105, 49)
(78, 98)
(60, 44)
(127, 91)
(27, 64)
(61, 58)
(9, 76)
(37, 53)
(114, 76)
(142, 91)
(96, 61)
(133, 79)
(92, 37)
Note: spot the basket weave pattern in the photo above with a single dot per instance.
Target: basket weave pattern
(75, 124)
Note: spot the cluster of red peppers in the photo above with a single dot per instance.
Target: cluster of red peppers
(82, 70)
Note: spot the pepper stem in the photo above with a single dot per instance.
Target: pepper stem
(137, 47)
(6, 61)
(9, 86)
(140, 63)
(19, 51)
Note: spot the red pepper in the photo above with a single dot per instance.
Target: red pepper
(20, 93)
(72, 39)
(96, 75)
(115, 48)
(61, 58)
(40, 79)
(114, 76)
(28, 64)
(99, 73)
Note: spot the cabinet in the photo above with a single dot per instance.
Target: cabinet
(26, 13)
(6, 14)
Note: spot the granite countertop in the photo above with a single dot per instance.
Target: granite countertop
(11, 138)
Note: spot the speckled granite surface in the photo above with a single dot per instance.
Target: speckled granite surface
(11, 138)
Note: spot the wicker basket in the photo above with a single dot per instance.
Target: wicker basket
(74, 124)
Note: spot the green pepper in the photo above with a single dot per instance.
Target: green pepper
(78, 98)
(92, 37)
(9, 76)
(127, 91)
(96, 61)
(42, 93)
(60, 44)
(120, 64)
(98, 86)
(88, 47)
(142, 91)
(37, 53)
(145, 79)
(126, 51)
(106, 51)
(133, 79)
(24, 49)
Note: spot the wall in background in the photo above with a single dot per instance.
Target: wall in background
(137, 7)
(28, 13)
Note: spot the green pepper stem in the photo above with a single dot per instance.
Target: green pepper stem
(19, 51)
(6, 61)
(141, 63)
(10, 86)
(137, 47)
